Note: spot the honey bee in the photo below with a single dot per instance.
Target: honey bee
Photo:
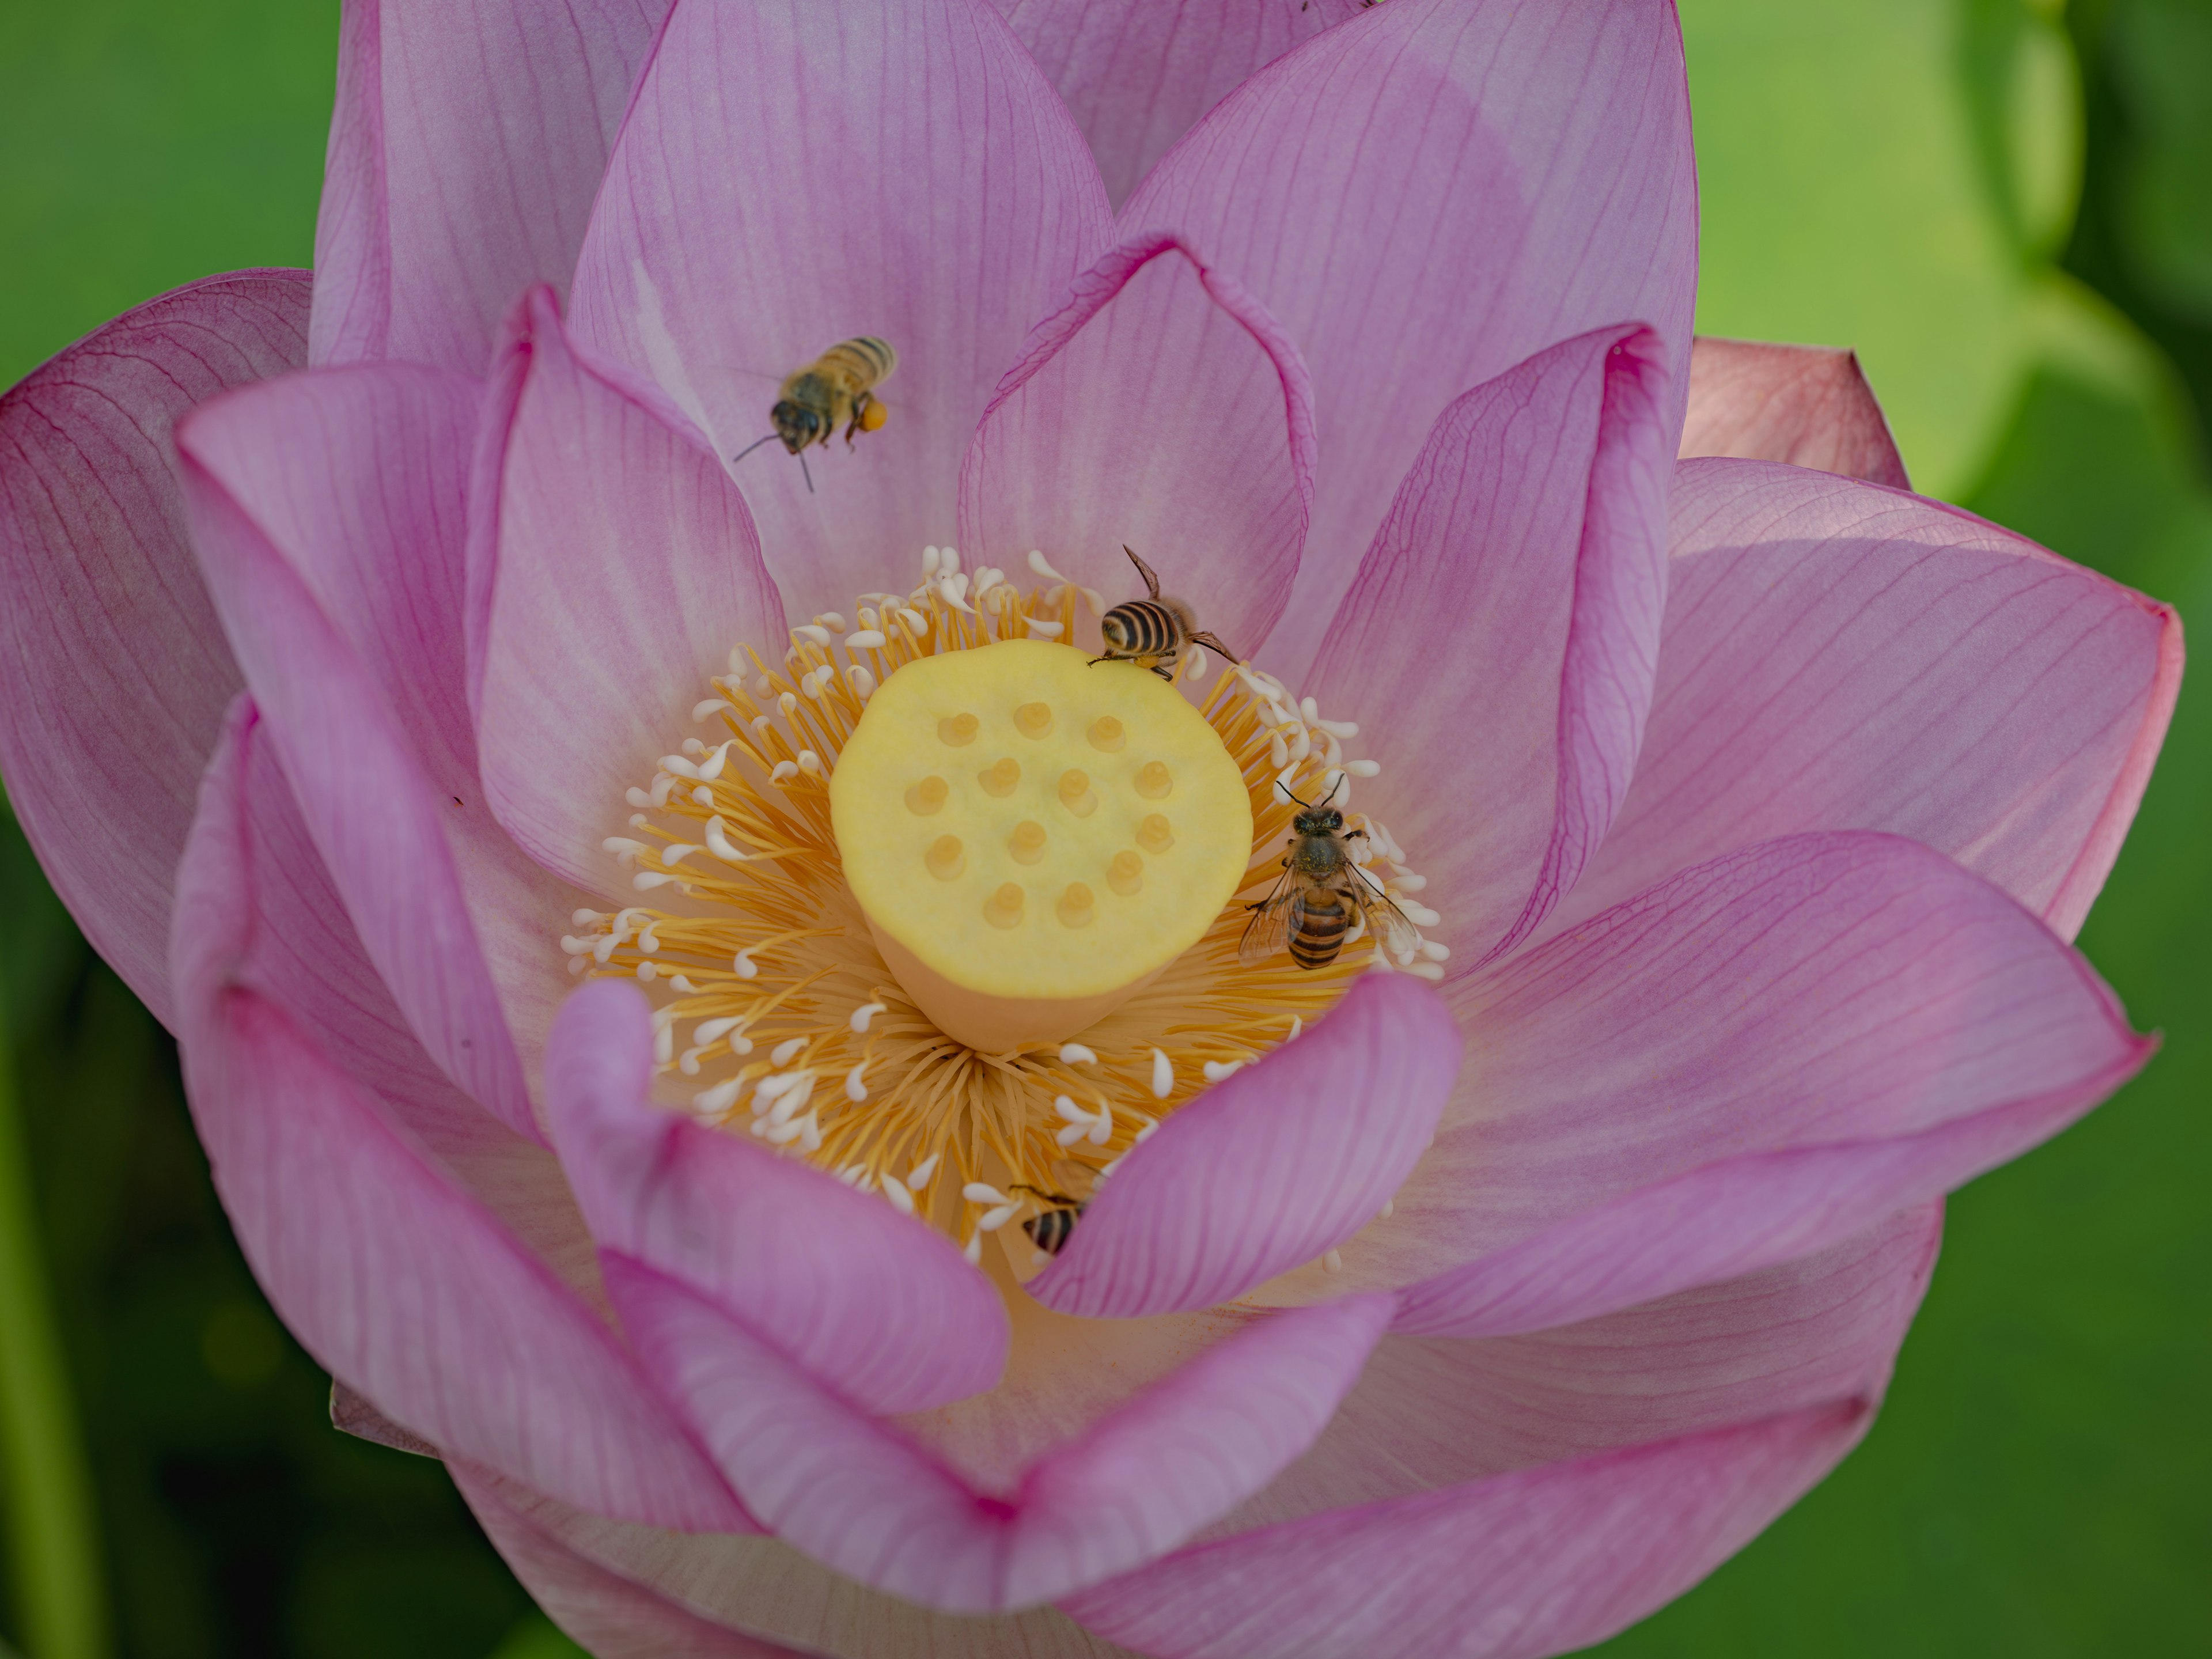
(1153, 631)
(1050, 1229)
(838, 385)
(1319, 893)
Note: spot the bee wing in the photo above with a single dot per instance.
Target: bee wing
(1384, 919)
(1269, 930)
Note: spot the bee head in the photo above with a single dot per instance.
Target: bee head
(1319, 821)
(795, 424)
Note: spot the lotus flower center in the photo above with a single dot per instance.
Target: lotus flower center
(949, 911)
(1001, 816)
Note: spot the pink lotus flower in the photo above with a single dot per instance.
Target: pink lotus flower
(1476, 1307)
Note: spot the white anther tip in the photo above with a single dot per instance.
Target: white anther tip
(973, 1250)
(918, 1177)
(1217, 1069)
(1070, 1053)
(781, 1054)
(1162, 1075)
(743, 966)
(1073, 1133)
(1333, 1262)
(855, 1090)
(902, 1201)
(981, 1192)
(862, 1015)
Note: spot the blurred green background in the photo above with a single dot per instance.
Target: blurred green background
(2006, 207)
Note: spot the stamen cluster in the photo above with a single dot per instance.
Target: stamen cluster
(798, 1034)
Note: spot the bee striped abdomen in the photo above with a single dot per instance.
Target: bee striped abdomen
(1319, 921)
(1142, 628)
(865, 359)
(1051, 1230)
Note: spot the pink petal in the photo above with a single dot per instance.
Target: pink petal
(614, 567)
(611, 1616)
(341, 497)
(878, 1305)
(390, 1273)
(466, 146)
(1424, 197)
(1269, 1168)
(1436, 1411)
(1136, 73)
(1500, 643)
(308, 958)
(119, 671)
(1808, 405)
(1084, 449)
(1540, 1562)
(797, 171)
(1743, 1065)
(1838, 656)
(763, 1586)
(863, 1499)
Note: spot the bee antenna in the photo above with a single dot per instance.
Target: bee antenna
(805, 474)
(1332, 788)
(749, 449)
(1287, 790)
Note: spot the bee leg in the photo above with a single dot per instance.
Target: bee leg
(1164, 673)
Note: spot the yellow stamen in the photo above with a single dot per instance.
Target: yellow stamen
(768, 972)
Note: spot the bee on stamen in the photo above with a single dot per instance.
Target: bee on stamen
(838, 385)
(1319, 895)
(1154, 630)
(1050, 1229)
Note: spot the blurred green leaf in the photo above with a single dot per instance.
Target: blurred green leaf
(1877, 173)
(2160, 52)
(536, 1637)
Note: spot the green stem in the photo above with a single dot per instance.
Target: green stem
(45, 1489)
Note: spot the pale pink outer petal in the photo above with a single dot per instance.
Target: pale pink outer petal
(797, 171)
(273, 496)
(1136, 73)
(1539, 1562)
(1807, 405)
(1501, 641)
(613, 567)
(763, 1586)
(877, 1304)
(859, 1496)
(117, 673)
(1270, 1166)
(611, 1617)
(1744, 1064)
(307, 956)
(1434, 1412)
(1093, 441)
(466, 146)
(1840, 656)
(1424, 196)
(391, 1273)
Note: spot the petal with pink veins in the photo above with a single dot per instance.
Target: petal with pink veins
(339, 495)
(119, 671)
(861, 1497)
(878, 1304)
(1136, 73)
(1500, 643)
(611, 1617)
(307, 957)
(1160, 409)
(1740, 1065)
(1807, 405)
(1270, 1166)
(763, 1586)
(466, 146)
(612, 567)
(797, 171)
(1542, 1561)
(1839, 656)
(1422, 198)
(391, 1273)
(1434, 1412)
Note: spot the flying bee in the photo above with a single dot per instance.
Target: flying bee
(1319, 893)
(1153, 631)
(838, 385)
(1050, 1229)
